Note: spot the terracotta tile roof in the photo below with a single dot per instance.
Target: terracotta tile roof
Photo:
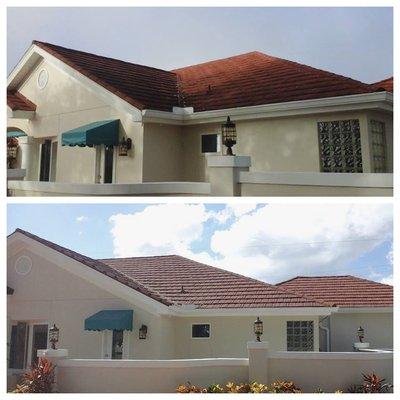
(162, 279)
(189, 282)
(343, 291)
(386, 84)
(16, 101)
(141, 86)
(246, 80)
(256, 78)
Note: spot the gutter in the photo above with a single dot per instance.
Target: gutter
(327, 333)
(187, 116)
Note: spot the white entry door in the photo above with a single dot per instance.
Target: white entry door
(115, 344)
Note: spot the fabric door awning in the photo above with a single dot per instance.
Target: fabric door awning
(110, 319)
(100, 132)
(17, 134)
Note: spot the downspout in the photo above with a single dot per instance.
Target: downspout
(327, 333)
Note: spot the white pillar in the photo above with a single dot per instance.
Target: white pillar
(54, 356)
(223, 173)
(29, 153)
(258, 361)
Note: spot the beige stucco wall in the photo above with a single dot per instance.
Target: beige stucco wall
(254, 189)
(52, 295)
(229, 335)
(378, 330)
(162, 153)
(66, 104)
(287, 144)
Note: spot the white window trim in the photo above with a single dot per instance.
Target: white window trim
(219, 143)
(199, 323)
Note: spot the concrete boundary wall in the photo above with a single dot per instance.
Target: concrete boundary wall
(309, 371)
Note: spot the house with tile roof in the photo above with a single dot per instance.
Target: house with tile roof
(170, 307)
(84, 120)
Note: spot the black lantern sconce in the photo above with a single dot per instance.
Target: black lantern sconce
(143, 332)
(258, 328)
(124, 146)
(360, 334)
(54, 335)
(228, 130)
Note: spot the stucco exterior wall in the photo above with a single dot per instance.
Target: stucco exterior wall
(378, 330)
(163, 153)
(287, 144)
(64, 104)
(229, 335)
(50, 295)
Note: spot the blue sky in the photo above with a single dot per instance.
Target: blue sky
(269, 242)
(355, 42)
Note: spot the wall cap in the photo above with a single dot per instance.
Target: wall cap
(257, 345)
(53, 353)
(228, 161)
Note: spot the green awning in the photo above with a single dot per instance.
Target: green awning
(100, 132)
(110, 319)
(12, 134)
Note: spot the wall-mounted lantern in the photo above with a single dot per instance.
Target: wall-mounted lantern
(143, 332)
(228, 130)
(124, 145)
(258, 328)
(360, 334)
(54, 335)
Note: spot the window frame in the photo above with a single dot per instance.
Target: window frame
(200, 323)
(372, 121)
(219, 144)
(300, 334)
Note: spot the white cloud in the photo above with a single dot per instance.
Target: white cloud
(82, 218)
(270, 242)
(158, 229)
(279, 241)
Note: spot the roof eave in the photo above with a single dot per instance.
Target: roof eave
(367, 101)
(265, 311)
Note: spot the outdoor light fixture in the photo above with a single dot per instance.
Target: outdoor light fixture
(228, 130)
(54, 334)
(143, 332)
(124, 146)
(360, 334)
(258, 328)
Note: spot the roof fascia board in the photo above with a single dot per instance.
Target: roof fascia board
(225, 312)
(379, 100)
(353, 310)
(36, 53)
(18, 241)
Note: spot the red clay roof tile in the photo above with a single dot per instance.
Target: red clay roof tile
(386, 84)
(16, 101)
(246, 80)
(344, 291)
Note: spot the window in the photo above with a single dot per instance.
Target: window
(300, 335)
(209, 143)
(200, 330)
(340, 146)
(378, 146)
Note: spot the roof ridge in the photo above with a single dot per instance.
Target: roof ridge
(38, 42)
(219, 59)
(155, 295)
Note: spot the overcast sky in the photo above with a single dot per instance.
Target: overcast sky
(355, 42)
(269, 242)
